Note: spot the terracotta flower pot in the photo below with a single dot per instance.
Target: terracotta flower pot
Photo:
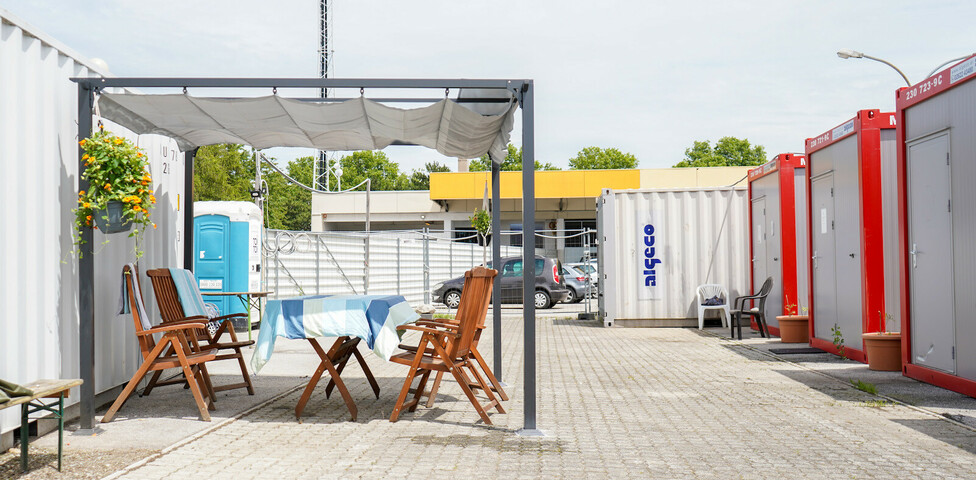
(793, 328)
(883, 351)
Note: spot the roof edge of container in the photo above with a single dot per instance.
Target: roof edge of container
(958, 74)
(863, 119)
(795, 160)
(8, 17)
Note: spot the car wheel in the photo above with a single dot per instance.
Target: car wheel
(577, 297)
(542, 299)
(572, 297)
(452, 298)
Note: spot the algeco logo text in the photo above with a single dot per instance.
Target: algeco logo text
(650, 275)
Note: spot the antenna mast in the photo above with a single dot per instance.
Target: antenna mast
(321, 173)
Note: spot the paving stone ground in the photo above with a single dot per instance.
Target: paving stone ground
(614, 403)
(669, 403)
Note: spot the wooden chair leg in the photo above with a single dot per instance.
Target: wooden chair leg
(209, 391)
(196, 377)
(495, 384)
(414, 366)
(247, 377)
(462, 381)
(484, 387)
(131, 386)
(434, 388)
(419, 392)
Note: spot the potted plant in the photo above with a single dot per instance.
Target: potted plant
(883, 348)
(120, 194)
(793, 326)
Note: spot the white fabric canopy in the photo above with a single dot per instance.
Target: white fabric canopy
(358, 124)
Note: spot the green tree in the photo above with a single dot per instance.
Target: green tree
(420, 179)
(372, 164)
(222, 172)
(595, 158)
(289, 206)
(728, 152)
(512, 162)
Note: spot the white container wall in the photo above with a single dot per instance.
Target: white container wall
(38, 274)
(659, 245)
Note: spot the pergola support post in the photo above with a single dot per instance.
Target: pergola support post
(496, 261)
(86, 278)
(188, 252)
(528, 260)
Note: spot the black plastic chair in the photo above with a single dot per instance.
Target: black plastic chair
(759, 313)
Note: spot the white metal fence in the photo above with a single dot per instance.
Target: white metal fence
(406, 263)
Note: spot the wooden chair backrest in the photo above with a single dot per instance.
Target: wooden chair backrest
(471, 311)
(146, 342)
(167, 299)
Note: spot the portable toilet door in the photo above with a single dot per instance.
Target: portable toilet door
(936, 143)
(848, 170)
(777, 218)
(211, 265)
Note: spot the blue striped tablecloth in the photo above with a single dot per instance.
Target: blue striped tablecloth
(373, 318)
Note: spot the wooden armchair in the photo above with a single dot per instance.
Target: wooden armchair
(446, 347)
(480, 312)
(171, 309)
(176, 342)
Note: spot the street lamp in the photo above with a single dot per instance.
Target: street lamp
(846, 53)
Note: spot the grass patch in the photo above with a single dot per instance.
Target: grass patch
(448, 316)
(876, 403)
(865, 387)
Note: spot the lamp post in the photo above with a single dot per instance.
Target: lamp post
(846, 53)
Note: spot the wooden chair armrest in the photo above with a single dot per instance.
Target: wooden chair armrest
(193, 319)
(432, 331)
(232, 315)
(172, 328)
(428, 323)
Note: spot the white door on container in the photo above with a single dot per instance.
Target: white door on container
(758, 243)
(824, 256)
(930, 257)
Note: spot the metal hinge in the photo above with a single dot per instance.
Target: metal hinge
(953, 353)
(950, 205)
(831, 224)
(947, 158)
(831, 191)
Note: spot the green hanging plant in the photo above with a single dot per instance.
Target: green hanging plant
(119, 179)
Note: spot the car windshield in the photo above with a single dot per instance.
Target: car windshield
(514, 268)
(586, 268)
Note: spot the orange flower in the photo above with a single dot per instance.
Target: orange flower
(144, 183)
(154, 225)
(82, 143)
(139, 154)
(108, 186)
(136, 208)
(81, 192)
(152, 198)
(141, 190)
(84, 157)
(118, 141)
(86, 205)
(88, 218)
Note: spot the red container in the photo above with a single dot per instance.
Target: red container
(937, 219)
(851, 180)
(777, 218)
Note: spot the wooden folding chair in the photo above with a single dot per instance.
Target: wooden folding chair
(474, 354)
(170, 308)
(450, 349)
(175, 341)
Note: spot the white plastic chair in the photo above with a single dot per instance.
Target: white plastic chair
(710, 290)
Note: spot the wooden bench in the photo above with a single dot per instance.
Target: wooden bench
(32, 404)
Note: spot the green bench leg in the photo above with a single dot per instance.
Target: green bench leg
(24, 433)
(60, 427)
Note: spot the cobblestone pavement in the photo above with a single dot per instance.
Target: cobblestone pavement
(614, 403)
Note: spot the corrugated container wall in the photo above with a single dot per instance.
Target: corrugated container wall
(38, 274)
(659, 245)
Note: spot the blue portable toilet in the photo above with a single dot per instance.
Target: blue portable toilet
(227, 240)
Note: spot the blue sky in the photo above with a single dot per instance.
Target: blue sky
(643, 77)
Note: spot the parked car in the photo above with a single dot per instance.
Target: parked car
(588, 268)
(549, 287)
(576, 282)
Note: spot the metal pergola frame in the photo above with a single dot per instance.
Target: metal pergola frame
(521, 89)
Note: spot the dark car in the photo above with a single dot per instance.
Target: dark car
(575, 281)
(549, 287)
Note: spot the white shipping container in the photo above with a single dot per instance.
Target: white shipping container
(38, 275)
(658, 245)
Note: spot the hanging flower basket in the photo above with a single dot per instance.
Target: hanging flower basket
(120, 194)
(112, 219)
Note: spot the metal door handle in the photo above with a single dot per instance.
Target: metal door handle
(814, 258)
(914, 253)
